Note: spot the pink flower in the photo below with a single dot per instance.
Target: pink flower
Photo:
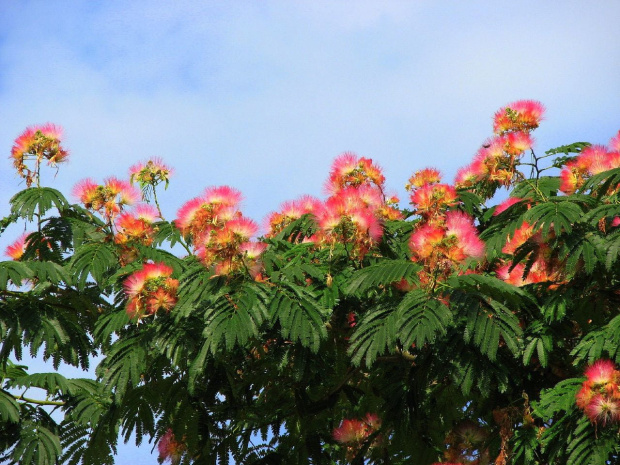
(86, 191)
(468, 176)
(350, 170)
(252, 250)
(242, 227)
(150, 289)
(123, 193)
(523, 115)
(187, 214)
(170, 449)
(515, 143)
(146, 212)
(601, 372)
(614, 143)
(351, 431)
(222, 195)
(367, 223)
(461, 226)
(153, 171)
(506, 204)
(425, 240)
(17, 248)
(422, 177)
(602, 409)
(38, 142)
(430, 198)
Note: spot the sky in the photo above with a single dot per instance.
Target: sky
(263, 95)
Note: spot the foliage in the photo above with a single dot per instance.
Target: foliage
(352, 331)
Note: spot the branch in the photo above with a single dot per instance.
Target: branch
(38, 402)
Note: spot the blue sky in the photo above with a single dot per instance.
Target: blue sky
(263, 95)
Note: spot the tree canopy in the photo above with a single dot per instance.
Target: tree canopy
(456, 329)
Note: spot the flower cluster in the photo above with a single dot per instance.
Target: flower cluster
(108, 198)
(135, 227)
(150, 289)
(542, 266)
(219, 231)
(520, 116)
(17, 248)
(466, 444)
(38, 143)
(350, 170)
(357, 207)
(599, 397)
(592, 160)
(354, 432)
(428, 197)
(170, 450)
(442, 240)
(494, 165)
(291, 211)
(353, 213)
(152, 172)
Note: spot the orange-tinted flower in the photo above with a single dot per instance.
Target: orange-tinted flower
(153, 172)
(425, 240)
(351, 431)
(572, 177)
(350, 170)
(506, 204)
(109, 199)
(170, 450)
(422, 177)
(537, 274)
(150, 289)
(136, 226)
(519, 237)
(38, 142)
(431, 198)
(467, 176)
(592, 160)
(601, 372)
(252, 250)
(291, 211)
(603, 410)
(614, 143)
(222, 195)
(515, 143)
(17, 248)
(599, 396)
(523, 115)
(461, 226)
(243, 228)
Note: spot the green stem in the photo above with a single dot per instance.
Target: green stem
(37, 401)
(157, 204)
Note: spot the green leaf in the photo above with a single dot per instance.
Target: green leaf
(92, 259)
(37, 445)
(374, 334)
(14, 272)
(36, 200)
(53, 383)
(233, 319)
(383, 273)
(421, 319)
(124, 365)
(301, 316)
(9, 408)
(560, 215)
